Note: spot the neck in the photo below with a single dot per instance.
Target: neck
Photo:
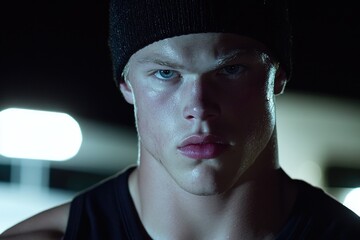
(255, 207)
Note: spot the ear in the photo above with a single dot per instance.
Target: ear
(280, 81)
(127, 92)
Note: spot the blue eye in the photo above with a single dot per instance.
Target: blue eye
(165, 74)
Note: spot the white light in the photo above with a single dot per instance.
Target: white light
(37, 134)
(352, 200)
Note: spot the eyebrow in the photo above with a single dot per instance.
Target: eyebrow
(161, 62)
(222, 60)
(237, 53)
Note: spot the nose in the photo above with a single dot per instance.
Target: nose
(200, 101)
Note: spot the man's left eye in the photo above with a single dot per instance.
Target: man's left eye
(232, 69)
(165, 74)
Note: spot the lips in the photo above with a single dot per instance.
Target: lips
(203, 147)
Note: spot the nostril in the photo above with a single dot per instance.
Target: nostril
(202, 112)
(189, 117)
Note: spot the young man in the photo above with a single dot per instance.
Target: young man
(202, 77)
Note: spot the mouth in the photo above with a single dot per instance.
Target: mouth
(203, 147)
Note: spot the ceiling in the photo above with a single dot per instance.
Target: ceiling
(54, 56)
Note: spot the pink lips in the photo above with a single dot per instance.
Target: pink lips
(202, 147)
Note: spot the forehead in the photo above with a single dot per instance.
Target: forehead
(215, 45)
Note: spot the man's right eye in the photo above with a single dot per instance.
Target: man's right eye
(166, 74)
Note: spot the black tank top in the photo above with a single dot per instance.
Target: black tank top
(107, 212)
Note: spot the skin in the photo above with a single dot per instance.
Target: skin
(202, 98)
(208, 84)
(209, 92)
(47, 225)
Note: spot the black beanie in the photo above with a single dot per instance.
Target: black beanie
(135, 24)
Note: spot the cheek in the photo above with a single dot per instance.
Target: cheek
(252, 109)
(154, 115)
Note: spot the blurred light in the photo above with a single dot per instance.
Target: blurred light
(352, 200)
(310, 171)
(34, 134)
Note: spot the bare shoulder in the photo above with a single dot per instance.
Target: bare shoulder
(49, 224)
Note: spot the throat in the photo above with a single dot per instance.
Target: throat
(254, 210)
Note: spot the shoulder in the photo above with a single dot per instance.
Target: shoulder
(106, 189)
(106, 208)
(49, 224)
(316, 201)
(317, 214)
(53, 223)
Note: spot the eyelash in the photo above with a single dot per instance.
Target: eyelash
(222, 71)
(239, 69)
(158, 75)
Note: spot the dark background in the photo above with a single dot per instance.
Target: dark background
(54, 56)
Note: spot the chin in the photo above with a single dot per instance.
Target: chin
(203, 190)
(205, 182)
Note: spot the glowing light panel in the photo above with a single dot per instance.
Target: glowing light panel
(35, 134)
(352, 200)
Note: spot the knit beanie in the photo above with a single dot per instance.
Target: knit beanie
(134, 24)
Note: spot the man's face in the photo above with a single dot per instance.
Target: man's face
(204, 107)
